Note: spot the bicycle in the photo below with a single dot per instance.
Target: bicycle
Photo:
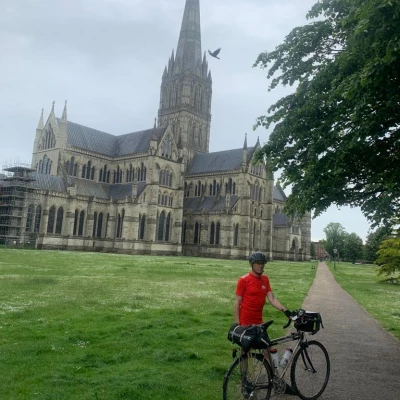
(254, 375)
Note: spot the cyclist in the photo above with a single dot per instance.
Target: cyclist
(252, 290)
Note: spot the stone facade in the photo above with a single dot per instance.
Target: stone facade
(158, 191)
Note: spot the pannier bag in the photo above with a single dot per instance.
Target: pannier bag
(248, 337)
(309, 322)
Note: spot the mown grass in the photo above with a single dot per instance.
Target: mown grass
(379, 298)
(104, 326)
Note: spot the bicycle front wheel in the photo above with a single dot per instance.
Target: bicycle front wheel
(249, 377)
(310, 370)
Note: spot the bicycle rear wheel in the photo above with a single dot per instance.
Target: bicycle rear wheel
(249, 377)
(310, 370)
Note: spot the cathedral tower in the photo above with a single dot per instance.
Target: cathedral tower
(186, 88)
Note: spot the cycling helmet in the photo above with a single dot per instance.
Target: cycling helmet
(257, 258)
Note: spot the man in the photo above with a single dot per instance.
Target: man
(251, 293)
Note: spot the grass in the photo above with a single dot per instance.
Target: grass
(379, 298)
(105, 326)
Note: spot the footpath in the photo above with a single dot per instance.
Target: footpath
(365, 359)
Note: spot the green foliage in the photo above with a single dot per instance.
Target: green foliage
(312, 250)
(353, 247)
(335, 235)
(374, 240)
(337, 137)
(106, 326)
(389, 257)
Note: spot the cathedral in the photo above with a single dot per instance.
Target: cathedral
(157, 191)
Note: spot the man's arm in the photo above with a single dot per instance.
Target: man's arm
(275, 303)
(236, 308)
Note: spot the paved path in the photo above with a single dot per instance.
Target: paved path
(365, 359)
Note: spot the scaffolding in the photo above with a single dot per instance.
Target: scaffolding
(18, 201)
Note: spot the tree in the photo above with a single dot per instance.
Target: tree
(353, 247)
(335, 235)
(374, 240)
(389, 257)
(337, 137)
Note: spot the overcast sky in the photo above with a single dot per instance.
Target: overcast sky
(106, 58)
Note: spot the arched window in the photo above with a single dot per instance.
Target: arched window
(142, 227)
(52, 217)
(38, 217)
(59, 221)
(99, 225)
(212, 233)
(167, 227)
(94, 224)
(183, 239)
(81, 222)
(76, 219)
(217, 233)
(29, 218)
(161, 221)
(236, 235)
(197, 228)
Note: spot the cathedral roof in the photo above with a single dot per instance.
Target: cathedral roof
(219, 161)
(279, 194)
(279, 219)
(97, 141)
(84, 187)
(210, 204)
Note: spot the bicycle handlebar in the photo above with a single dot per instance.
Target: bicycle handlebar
(298, 314)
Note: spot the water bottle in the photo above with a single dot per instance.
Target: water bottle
(275, 357)
(286, 357)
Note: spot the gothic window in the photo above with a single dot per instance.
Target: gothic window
(67, 167)
(94, 224)
(217, 232)
(171, 199)
(51, 219)
(81, 222)
(142, 226)
(234, 188)
(107, 222)
(184, 232)
(101, 175)
(212, 233)
(84, 171)
(185, 190)
(161, 222)
(197, 229)
(236, 235)
(38, 216)
(49, 141)
(166, 150)
(142, 173)
(29, 218)
(92, 174)
(59, 220)
(99, 225)
(167, 227)
(120, 222)
(89, 167)
(44, 166)
(76, 169)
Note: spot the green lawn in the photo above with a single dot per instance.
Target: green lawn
(380, 298)
(104, 326)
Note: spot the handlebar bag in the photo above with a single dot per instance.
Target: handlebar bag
(309, 322)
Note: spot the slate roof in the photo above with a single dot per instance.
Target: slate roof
(84, 187)
(219, 161)
(97, 141)
(279, 194)
(208, 204)
(279, 219)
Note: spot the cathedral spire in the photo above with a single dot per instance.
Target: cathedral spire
(245, 142)
(188, 53)
(64, 114)
(41, 124)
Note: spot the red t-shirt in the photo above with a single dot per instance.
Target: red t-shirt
(253, 291)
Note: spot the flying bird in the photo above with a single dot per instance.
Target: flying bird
(215, 53)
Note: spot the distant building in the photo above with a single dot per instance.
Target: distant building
(156, 191)
(320, 252)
